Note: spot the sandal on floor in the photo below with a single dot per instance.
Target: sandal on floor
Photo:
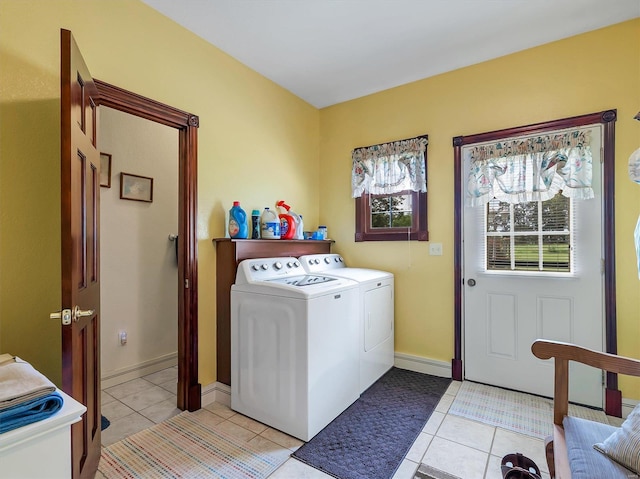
(517, 466)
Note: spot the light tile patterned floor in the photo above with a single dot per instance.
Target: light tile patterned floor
(465, 448)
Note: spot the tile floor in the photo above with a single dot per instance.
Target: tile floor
(466, 448)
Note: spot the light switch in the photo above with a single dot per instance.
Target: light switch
(435, 249)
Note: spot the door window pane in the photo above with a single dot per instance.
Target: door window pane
(556, 253)
(499, 253)
(526, 253)
(532, 236)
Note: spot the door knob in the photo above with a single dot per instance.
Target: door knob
(471, 282)
(79, 313)
(66, 315)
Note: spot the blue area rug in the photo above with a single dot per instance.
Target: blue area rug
(371, 438)
(104, 423)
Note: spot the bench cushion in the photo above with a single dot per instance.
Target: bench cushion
(585, 462)
(623, 445)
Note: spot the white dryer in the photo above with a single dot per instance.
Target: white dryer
(294, 345)
(376, 344)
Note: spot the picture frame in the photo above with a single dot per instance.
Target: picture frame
(105, 170)
(136, 187)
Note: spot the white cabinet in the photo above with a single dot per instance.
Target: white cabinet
(41, 449)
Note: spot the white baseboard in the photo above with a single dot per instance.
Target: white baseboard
(216, 392)
(421, 364)
(122, 375)
(221, 393)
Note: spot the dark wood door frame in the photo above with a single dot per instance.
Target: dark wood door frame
(189, 390)
(607, 118)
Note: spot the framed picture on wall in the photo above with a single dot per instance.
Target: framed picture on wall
(136, 187)
(105, 170)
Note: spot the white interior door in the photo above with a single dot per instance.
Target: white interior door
(505, 312)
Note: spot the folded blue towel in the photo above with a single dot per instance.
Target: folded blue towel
(30, 411)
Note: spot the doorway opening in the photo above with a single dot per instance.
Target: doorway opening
(138, 260)
(189, 390)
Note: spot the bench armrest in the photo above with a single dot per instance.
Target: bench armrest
(565, 352)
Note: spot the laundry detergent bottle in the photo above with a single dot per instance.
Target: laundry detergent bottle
(299, 228)
(287, 221)
(255, 224)
(269, 225)
(238, 227)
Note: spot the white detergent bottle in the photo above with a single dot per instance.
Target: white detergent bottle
(299, 226)
(269, 225)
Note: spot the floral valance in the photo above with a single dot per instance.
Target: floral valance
(390, 167)
(531, 169)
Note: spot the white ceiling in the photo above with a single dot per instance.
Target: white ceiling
(330, 51)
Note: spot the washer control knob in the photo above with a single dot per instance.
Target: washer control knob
(264, 266)
(327, 260)
(296, 264)
(277, 265)
(255, 267)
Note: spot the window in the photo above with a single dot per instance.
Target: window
(389, 186)
(393, 217)
(391, 211)
(527, 185)
(531, 236)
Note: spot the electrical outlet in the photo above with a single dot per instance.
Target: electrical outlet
(435, 249)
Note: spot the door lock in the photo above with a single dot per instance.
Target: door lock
(66, 315)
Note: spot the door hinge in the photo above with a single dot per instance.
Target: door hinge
(186, 283)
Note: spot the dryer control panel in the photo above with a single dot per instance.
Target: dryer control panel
(315, 263)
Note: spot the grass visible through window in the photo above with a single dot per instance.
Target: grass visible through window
(532, 236)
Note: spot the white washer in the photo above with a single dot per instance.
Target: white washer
(294, 345)
(376, 348)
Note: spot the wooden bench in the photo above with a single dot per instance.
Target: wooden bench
(556, 446)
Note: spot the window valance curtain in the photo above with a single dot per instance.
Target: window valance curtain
(390, 167)
(531, 169)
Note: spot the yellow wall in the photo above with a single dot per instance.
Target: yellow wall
(257, 143)
(583, 74)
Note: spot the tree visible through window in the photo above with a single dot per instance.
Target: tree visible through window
(391, 211)
(531, 236)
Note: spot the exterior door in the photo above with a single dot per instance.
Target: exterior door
(506, 311)
(80, 197)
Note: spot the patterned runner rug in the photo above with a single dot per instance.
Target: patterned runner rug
(373, 435)
(185, 446)
(516, 411)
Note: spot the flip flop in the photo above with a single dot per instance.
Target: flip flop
(517, 466)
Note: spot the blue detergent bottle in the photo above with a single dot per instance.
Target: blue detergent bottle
(238, 227)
